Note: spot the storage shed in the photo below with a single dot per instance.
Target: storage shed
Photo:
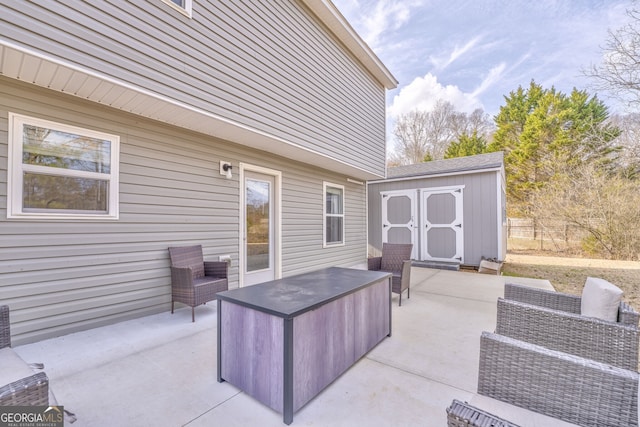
(453, 210)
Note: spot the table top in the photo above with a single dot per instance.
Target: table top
(292, 296)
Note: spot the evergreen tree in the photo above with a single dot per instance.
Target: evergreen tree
(543, 132)
(466, 145)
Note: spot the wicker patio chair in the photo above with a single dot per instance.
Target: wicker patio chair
(553, 320)
(193, 280)
(561, 301)
(557, 384)
(461, 414)
(395, 259)
(20, 386)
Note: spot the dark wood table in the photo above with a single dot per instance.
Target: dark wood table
(284, 341)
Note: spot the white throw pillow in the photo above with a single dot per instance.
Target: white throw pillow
(600, 299)
(12, 367)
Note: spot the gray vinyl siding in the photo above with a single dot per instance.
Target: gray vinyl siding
(268, 65)
(480, 211)
(303, 206)
(63, 276)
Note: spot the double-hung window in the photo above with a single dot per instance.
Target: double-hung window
(58, 171)
(183, 6)
(333, 214)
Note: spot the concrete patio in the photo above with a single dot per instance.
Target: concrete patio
(161, 370)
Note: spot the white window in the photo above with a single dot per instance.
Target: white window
(333, 214)
(60, 171)
(183, 6)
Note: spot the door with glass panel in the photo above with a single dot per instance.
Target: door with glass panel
(259, 228)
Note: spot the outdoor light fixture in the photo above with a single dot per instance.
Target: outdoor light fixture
(225, 169)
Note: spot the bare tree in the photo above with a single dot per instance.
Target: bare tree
(411, 136)
(619, 73)
(421, 136)
(601, 204)
(629, 142)
(441, 124)
(478, 123)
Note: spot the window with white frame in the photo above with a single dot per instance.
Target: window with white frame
(61, 171)
(183, 6)
(333, 214)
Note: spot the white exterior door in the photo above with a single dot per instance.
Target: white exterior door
(399, 215)
(442, 224)
(260, 244)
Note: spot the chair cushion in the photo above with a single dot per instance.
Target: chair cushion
(12, 367)
(600, 299)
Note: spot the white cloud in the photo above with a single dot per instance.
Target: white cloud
(375, 18)
(442, 63)
(386, 15)
(494, 76)
(423, 93)
(487, 48)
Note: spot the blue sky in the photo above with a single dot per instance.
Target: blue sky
(474, 52)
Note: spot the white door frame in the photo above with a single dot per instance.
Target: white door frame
(411, 225)
(457, 225)
(277, 218)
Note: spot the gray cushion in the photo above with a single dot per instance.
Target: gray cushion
(12, 367)
(600, 299)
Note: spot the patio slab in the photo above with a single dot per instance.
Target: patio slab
(160, 370)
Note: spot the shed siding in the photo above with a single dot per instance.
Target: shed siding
(480, 211)
(59, 277)
(267, 65)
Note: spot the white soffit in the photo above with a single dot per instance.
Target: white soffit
(22, 64)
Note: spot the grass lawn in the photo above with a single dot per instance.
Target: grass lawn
(569, 274)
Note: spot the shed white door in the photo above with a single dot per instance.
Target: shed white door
(442, 224)
(399, 214)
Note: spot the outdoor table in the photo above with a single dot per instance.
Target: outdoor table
(284, 341)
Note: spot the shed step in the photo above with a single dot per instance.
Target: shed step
(441, 265)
